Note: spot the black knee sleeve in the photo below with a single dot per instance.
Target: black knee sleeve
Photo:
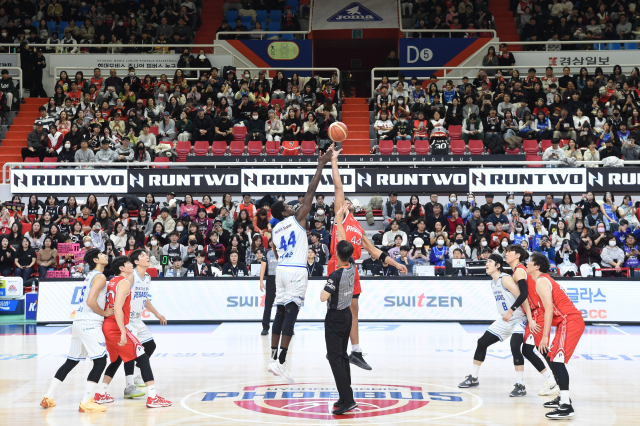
(113, 368)
(99, 365)
(527, 351)
(149, 347)
(278, 320)
(290, 317)
(516, 343)
(62, 372)
(562, 375)
(145, 368)
(484, 342)
(129, 367)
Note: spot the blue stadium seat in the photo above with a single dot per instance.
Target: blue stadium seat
(261, 15)
(630, 46)
(263, 24)
(600, 46)
(246, 21)
(293, 4)
(53, 26)
(232, 15)
(615, 46)
(287, 37)
(276, 15)
(274, 25)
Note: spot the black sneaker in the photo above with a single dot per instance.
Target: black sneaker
(344, 408)
(337, 403)
(356, 359)
(469, 381)
(563, 412)
(264, 332)
(554, 403)
(518, 390)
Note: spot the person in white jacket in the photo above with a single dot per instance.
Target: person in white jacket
(389, 237)
(273, 128)
(383, 126)
(553, 153)
(119, 235)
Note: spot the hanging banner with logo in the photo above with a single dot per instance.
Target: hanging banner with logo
(623, 180)
(341, 14)
(10, 60)
(76, 181)
(276, 54)
(409, 298)
(283, 181)
(436, 52)
(523, 179)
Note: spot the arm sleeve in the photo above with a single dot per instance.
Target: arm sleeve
(524, 292)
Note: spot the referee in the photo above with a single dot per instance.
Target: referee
(269, 264)
(338, 292)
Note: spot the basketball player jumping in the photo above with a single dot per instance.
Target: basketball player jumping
(139, 301)
(87, 337)
(506, 292)
(560, 312)
(121, 342)
(290, 240)
(356, 236)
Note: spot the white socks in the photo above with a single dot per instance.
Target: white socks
(475, 370)
(103, 387)
(564, 397)
(88, 392)
(520, 377)
(151, 391)
(356, 348)
(129, 380)
(54, 385)
(547, 375)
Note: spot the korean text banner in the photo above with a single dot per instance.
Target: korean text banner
(392, 299)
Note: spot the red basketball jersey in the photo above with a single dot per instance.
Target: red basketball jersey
(112, 291)
(562, 305)
(534, 300)
(354, 232)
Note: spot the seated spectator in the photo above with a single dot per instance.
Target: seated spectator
(234, 267)
(25, 259)
(140, 154)
(273, 127)
(383, 126)
(106, 154)
(223, 128)
(176, 270)
(610, 150)
(498, 216)
(554, 152)
(389, 236)
(315, 268)
(472, 128)
(439, 255)
(37, 144)
(589, 258)
(566, 260)
(402, 224)
(199, 268)
(404, 259)
(497, 236)
(310, 128)
(612, 256)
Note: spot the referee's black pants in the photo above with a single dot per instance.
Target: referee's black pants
(337, 326)
(270, 289)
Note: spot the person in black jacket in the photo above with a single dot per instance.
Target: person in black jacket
(199, 268)
(255, 128)
(223, 128)
(39, 63)
(235, 268)
(314, 268)
(487, 209)
(203, 127)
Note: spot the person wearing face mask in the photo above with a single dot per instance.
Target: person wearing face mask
(546, 249)
(67, 154)
(612, 257)
(255, 128)
(439, 255)
(462, 208)
(459, 242)
(501, 250)
(518, 234)
(200, 61)
(600, 235)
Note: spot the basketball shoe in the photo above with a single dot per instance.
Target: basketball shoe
(132, 391)
(47, 402)
(518, 390)
(157, 402)
(469, 381)
(357, 359)
(554, 403)
(563, 412)
(549, 388)
(103, 399)
(280, 370)
(91, 407)
(137, 380)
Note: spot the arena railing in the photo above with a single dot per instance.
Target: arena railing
(375, 78)
(19, 78)
(595, 43)
(124, 46)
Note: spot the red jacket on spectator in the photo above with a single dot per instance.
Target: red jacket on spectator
(495, 242)
(251, 209)
(97, 82)
(452, 225)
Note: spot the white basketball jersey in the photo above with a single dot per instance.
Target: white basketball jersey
(504, 298)
(290, 239)
(139, 293)
(84, 312)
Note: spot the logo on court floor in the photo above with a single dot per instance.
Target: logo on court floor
(315, 401)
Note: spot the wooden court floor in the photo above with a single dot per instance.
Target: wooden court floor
(216, 375)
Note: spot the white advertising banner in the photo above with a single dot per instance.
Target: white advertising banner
(590, 59)
(347, 14)
(518, 180)
(382, 300)
(24, 181)
(282, 181)
(10, 60)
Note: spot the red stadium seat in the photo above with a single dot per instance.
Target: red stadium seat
(239, 133)
(308, 148)
(32, 160)
(154, 130)
(515, 151)
(201, 148)
(458, 147)
(236, 148)
(563, 143)
(279, 102)
(421, 146)
(455, 132)
(290, 148)
(530, 146)
(50, 160)
(476, 147)
(534, 158)
(385, 147)
(161, 160)
(254, 148)
(26, 227)
(153, 272)
(144, 102)
(183, 149)
(273, 148)
(219, 148)
(544, 144)
(403, 147)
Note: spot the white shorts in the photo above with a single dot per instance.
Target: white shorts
(140, 330)
(87, 339)
(291, 284)
(504, 330)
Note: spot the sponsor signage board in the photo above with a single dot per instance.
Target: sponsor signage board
(76, 181)
(524, 179)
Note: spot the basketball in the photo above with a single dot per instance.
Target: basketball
(338, 131)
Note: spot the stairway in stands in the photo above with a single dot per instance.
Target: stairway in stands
(16, 137)
(505, 22)
(355, 114)
(211, 20)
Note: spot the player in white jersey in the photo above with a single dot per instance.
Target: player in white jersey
(140, 293)
(290, 240)
(505, 292)
(87, 337)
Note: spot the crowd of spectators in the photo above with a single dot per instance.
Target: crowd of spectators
(189, 237)
(573, 117)
(261, 15)
(450, 15)
(137, 118)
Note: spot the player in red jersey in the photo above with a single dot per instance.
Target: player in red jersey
(559, 311)
(515, 257)
(356, 236)
(121, 342)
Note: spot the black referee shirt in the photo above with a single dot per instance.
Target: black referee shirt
(340, 286)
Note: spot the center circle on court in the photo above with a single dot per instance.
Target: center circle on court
(272, 402)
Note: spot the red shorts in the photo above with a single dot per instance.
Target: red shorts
(131, 350)
(333, 263)
(531, 338)
(568, 334)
